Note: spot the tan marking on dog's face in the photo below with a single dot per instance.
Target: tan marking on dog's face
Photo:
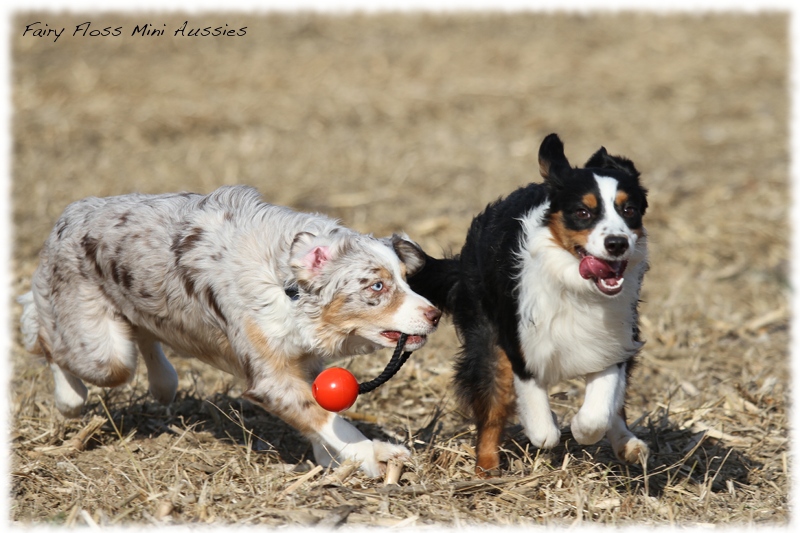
(589, 200)
(566, 238)
(491, 416)
(345, 316)
(620, 200)
(390, 308)
(350, 314)
(383, 274)
(395, 296)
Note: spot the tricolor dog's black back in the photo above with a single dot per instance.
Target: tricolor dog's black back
(546, 288)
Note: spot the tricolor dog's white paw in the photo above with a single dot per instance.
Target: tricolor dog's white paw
(633, 450)
(588, 428)
(546, 434)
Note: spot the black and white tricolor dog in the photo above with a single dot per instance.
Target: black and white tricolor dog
(254, 289)
(546, 288)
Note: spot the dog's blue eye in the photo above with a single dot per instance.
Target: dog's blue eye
(377, 286)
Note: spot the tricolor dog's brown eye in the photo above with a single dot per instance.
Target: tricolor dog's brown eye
(583, 213)
(629, 211)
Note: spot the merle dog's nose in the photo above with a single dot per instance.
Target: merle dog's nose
(433, 315)
(616, 244)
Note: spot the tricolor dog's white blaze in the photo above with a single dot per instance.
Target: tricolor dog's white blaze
(208, 275)
(564, 327)
(611, 224)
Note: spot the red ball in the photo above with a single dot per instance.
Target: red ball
(335, 389)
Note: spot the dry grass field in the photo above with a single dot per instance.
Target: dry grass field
(414, 122)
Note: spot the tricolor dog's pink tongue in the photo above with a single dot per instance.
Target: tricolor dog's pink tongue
(606, 275)
(594, 268)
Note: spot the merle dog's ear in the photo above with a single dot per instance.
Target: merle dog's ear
(308, 255)
(553, 164)
(409, 252)
(601, 159)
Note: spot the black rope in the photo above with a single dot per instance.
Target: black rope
(391, 369)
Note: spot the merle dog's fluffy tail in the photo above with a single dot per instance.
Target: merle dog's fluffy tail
(436, 281)
(29, 323)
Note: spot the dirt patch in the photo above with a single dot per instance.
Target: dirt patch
(414, 122)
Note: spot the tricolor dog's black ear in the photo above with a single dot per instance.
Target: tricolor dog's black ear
(409, 252)
(553, 164)
(601, 159)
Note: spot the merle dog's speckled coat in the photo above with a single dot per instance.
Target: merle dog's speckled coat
(254, 289)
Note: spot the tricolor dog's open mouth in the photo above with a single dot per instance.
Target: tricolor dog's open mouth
(412, 340)
(607, 275)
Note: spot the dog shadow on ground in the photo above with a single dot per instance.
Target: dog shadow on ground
(680, 459)
(226, 417)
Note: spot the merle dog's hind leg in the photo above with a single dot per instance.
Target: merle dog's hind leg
(93, 342)
(161, 374)
(70, 392)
